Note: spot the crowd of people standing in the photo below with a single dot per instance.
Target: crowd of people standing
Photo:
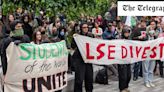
(25, 27)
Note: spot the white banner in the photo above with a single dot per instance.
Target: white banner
(105, 52)
(36, 68)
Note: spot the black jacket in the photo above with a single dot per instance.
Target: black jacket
(77, 54)
(28, 30)
(137, 32)
(5, 44)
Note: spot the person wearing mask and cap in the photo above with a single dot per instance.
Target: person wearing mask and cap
(17, 36)
(62, 33)
(124, 70)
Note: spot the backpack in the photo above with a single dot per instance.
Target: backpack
(102, 77)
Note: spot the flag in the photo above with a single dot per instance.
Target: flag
(130, 21)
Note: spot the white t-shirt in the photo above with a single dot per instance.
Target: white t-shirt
(97, 32)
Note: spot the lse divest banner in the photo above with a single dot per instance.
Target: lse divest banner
(105, 52)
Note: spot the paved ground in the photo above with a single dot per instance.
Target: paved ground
(135, 86)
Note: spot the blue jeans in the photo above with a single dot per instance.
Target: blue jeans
(148, 70)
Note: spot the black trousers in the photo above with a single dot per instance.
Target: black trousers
(160, 67)
(137, 69)
(83, 72)
(124, 76)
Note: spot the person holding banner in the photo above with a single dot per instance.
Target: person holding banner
(83, 71)
(17, 36)
(139, 34)
(37, 39)
(161, 34)
(124, 70)
(110, 34)
(148, 65)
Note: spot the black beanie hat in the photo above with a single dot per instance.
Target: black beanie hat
(14, 23)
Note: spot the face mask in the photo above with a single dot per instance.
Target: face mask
(17, 33)
(62, 33)
(0, 16)
(151, 32)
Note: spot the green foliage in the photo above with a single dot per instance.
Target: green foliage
(71, 8)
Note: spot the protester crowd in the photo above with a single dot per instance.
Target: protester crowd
(24, 27)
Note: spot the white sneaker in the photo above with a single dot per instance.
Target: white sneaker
(147, 85)
(151, 84)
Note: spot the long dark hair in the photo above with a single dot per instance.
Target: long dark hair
(7, 18)
(124, 30)
(81, 31)
(34, 35)
(155, 24)
(7, 24)
(24, 16)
